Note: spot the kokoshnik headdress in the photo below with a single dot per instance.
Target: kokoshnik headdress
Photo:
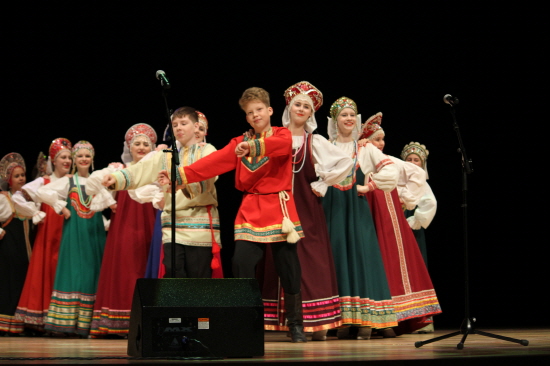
(418, 149)
(41, 165)
(80, 145)
(335, 109)
(137, 130)
(372, 127)
(305, 92)
(203, 121)
(56, 147)
(7, 165)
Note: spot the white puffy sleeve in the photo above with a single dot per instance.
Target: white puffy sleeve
(27, 208)
(332, 165)
(94, 182)
(103, 198)
(380, 171)
(425, 210)
(148, 193)
(55, 194)
(412, 183)
(31, 189)
(5, 208)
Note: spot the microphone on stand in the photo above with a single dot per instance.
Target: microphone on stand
(450, 100)
(163, 79)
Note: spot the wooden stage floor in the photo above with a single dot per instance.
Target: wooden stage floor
(478, 350)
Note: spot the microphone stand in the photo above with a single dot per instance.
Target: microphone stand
(173, 166)
(467, 326)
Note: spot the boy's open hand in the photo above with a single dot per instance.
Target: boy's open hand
(242, 149)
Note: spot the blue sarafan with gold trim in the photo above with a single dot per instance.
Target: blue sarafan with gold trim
(261, 176)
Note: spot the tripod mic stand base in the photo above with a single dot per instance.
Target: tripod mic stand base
(468, 328)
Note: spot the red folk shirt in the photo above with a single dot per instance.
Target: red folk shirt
(265, 178)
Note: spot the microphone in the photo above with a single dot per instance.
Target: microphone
(163, 79)
(450, 100)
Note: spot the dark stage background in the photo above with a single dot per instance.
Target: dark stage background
(89, 73)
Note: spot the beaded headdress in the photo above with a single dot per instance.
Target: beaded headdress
(335, 109)
(41, 165)
(57, 146)
(308, 93)
(307, 89)
(372, 127)
(7, 165)
(418, 149)
(83, 144)
(202, 119)
(140, 129)
(137, 130)
(341, 103)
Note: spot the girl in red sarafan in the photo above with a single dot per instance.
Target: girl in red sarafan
(35, 298)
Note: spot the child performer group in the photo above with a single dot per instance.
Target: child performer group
(320, 225)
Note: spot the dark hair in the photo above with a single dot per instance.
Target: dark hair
(186, 111)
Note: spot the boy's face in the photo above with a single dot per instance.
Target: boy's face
(258, 116)
(184, 130)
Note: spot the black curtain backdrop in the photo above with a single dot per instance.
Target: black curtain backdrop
(89, 73)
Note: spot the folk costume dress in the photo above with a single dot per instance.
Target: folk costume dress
(15, 252)
(125, 256)
(364, 292)
(197, 218)
(37, 291)
(80, 254)
(421, 217)
(315, 157)
(411, 288)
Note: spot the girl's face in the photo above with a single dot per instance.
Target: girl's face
(62, 163)
(83, 160)
(18, 179)
(346, 121)
(415, 159)
(200, 132)
(139, 148)
(378, 141)
(300, 111)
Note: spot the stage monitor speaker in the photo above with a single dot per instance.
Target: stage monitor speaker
(196, 317)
